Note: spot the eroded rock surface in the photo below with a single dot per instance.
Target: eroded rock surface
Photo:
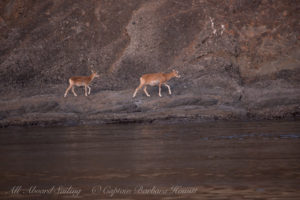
(238, 59)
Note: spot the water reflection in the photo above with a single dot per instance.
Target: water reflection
(222, 159)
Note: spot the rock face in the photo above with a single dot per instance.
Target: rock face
(238, 59)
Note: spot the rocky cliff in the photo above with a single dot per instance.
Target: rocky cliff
(238, 59)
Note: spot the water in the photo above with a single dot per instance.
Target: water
(217, 160)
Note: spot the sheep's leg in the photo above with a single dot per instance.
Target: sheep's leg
(67, 90)
(85, 90)
(169, 88)
(145, 90)
(137, 89)
(74, 91)
(159, 89)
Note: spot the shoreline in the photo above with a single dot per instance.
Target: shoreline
(117, 107)
(51, 121)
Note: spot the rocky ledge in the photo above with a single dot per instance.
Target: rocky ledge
(120, 107)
